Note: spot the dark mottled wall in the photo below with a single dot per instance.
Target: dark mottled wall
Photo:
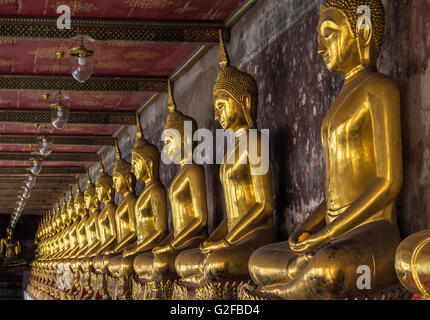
(276, 42)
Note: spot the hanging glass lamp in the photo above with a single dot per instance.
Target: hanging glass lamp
(81, 58)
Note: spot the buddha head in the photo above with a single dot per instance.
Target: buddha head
(178, 146)
(62, 213)
(79, 202)
(123, 179)
(347, 41)
(71, 213)
(145, 157)
(90, 195)
(235, 95)
(104, 185)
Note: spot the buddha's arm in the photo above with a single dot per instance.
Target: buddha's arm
(314, 222)
(1, 247)
(131, 203)
(385, 109)
(112, 225)
(197, 187)
(262, 184)
(159, 211)
(18, 248)
(220, 232)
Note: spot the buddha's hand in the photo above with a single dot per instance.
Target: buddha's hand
(209, 246)
(158, 250)
(127, 253)
(310, 242)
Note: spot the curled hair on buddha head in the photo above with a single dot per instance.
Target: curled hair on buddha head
(145, 150)
(103, 178)
(176, 119)
(91, 188)
(79, 196)
(237, 84)
(70, 202)
(349, 10)
(122, 168)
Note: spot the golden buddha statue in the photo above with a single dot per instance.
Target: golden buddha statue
(107, 230)
(249, 198)
(10, 249)
(82, 212)
(71, 236)
(150, 208)
(92, 204)
(187, 194)
(356, 225)
(412, 263)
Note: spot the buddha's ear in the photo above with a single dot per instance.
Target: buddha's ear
(364, 32)
(247, 105)
(149, 166)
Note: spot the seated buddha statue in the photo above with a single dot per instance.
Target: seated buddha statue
(10, 249)
(187, 194)
(72, 235)
(107, 230)
(92, 204)
(356, 225)
(123, 181)
(248, 196)
(151, 206)
(412, 263)
(81, 231)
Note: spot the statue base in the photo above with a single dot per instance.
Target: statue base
(394, 292)
(151, 289)
(101, 287)
(227, 290)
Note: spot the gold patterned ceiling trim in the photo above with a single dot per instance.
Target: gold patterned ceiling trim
(39, 82)
(41, 206)
(61, 170)
(60, 140)
(53, 157)
(136, 31)
(101, 118)
(39, 187)
(41, 180)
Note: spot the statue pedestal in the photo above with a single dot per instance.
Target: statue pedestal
(227, 290)
(152, 290)
(394, 292)
(12, 280)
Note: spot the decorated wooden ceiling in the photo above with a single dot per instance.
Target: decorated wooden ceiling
(139, 45)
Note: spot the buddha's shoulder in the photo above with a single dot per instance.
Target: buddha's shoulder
(381, 84)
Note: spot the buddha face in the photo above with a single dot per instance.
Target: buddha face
(102, 194)
(79, 207)
(120, 184)
(228, 112)
(138, 168)
(337, 44)
(172, 145)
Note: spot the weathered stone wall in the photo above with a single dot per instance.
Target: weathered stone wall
(276, 42)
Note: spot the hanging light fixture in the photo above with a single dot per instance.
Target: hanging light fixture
(31, 181)
(60, 108)
(44, 146)
(60, 111)
(81, 58)
(35, 166)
